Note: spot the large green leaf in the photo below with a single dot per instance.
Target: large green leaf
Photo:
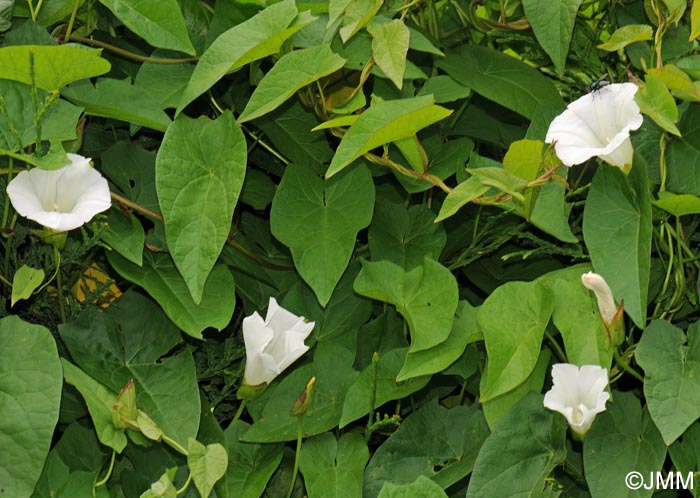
(513, 319)
(207, 464)
(618, 211)
(678, 204)
(199, 174)
(25, 281)
(429, 361)
(378, 382)
(621, 438)
(131, 168)
(118, 99)
(293, 71)
(683, 155)
(578, 319)
(54, 66)
(434, 442)
(125, 235)
(671, 385)
(127, 341)
(159, 22)
(288, 129)
(6, 7)
(551, 211)
(383, 123)
(389, 48)
(258, 37)
(627, 35)
(462, 194)
(357, 14)
(496, 408)
(404, 236)
(518, 456)
(249, 465)
(319, 220)
(58, 121)
(656, 101)
(80, 449)
(553, 24)
(161, 280)
(685, 453)
(333, 469)
(426, 297)
(164, 82)
(99, 401)
(59, 480)
(30, 397)
(421, 488)
(503, 79)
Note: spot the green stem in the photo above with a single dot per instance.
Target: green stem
(35, 103)
(8, 245)
(184, 486)
(131, 55)
(239, 412)
(104, 480)
(6, 211)
(174, 444)
(296, 456)
(373, 395)
(555, 345)
(625, 366)
(38, 8)
(59, 283)
(69, 30)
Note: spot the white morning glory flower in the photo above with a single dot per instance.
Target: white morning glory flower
(598, 124)
(271, 345)
(606, 303)
(578, 394)
(61, 199)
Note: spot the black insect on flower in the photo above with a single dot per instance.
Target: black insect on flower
(599, 83)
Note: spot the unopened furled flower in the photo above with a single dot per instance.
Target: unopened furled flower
(610, 313)
(598, 124)
(603, 294)
(578, 394)
(61, 199)
(271, 345)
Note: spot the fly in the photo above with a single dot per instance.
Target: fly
(599, 83)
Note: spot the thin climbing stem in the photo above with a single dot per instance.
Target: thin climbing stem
(239, 412)
(131, 55)
(104, 480)
(296, 455)
(626, 367)
(69, 29)
(6, 209)
(184, 486)
(59, 284)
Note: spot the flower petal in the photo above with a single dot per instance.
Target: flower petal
(255, 336)
(279, 318)
(597, 124)
(23, 194)
(61, 199)
(603, 294)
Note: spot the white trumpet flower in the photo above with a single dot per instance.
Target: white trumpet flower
(598, 124)
(271, 345)
(578, 394)
(61, 199)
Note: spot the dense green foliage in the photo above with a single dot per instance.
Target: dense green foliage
(379, 167)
